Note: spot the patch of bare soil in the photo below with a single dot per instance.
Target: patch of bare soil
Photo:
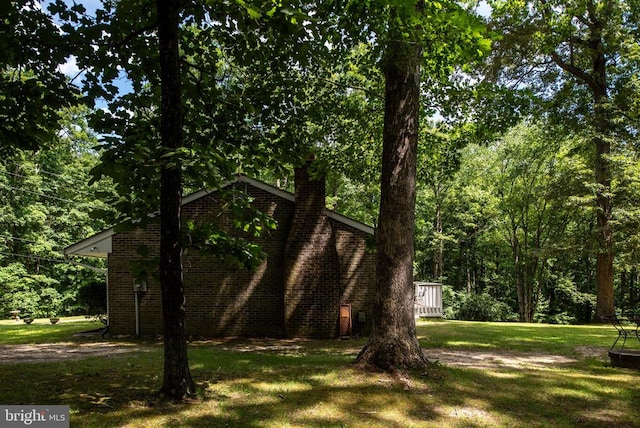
(451, 357)
(495, 359)
(510, 359)
(63, 351)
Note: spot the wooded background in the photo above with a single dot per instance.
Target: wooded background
(527, 153)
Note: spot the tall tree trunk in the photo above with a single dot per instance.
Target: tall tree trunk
(596, 80)
(525, 281)
(459, 283)
(633, 292)
(604, 264)
(522, 292)
(177, 382)
(588, 308)
(519, 277)
(624, 286)
(604, 261)
(393, 343)
(438, 256)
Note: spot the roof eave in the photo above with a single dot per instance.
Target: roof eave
(98, 245)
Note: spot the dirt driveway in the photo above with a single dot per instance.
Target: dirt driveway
(450, 357)
(63, 351)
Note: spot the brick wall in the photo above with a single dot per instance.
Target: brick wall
(312, 274)
(123, 263)
(223, 300)
(357, 264)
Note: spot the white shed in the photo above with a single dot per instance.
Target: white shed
(428, 299)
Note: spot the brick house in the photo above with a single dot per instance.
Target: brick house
(317, 263)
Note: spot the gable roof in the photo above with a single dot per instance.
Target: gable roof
(99, 245)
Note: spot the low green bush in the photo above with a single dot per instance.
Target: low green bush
(478, 307)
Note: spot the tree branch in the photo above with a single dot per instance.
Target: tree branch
(575, 71)
(359, 88)
(133, 35)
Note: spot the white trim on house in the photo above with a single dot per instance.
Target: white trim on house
(351, 222)
(239, 179)
(267, 188)
(99, 245)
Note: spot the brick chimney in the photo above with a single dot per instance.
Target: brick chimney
(311, 268)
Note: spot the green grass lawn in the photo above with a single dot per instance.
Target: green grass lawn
(42, 331)
(313, 383)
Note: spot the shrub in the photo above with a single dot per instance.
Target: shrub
(50, 302)
(27, 302)
(450, 302)
(563, 303)
(483, 307)
(92, 298)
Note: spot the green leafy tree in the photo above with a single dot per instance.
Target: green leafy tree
(580, 58)
(438, 161)
(625, 217)
(516, 215)
(32, 87)
(470, 208)
(535, 185)
(177, 381)
(47, 205)
(414, 40)
(35, 105)
(198, 113)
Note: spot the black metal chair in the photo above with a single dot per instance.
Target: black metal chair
(623, 331)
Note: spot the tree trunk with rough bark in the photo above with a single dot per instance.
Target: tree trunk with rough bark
(602, 125)
(177, 382)
(438, 256)
(393, 344)
(596, 79)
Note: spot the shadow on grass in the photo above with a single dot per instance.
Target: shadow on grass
(314, 384)
(247, 389)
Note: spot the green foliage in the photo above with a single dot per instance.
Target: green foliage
(235, 247)
(470, 306)
(484, 203)
(564, 303)
(450, 302)
(587, 86)
(32, 88)
(92, 298)
(482, 307)
(521, 199)
(31, 294)
(45, 206)
(51, 301)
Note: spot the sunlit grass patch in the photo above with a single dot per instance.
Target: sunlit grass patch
(558, 339)
(468, 345)
(42, 331)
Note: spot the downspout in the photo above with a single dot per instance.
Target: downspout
(108, 308)
(139, 286)
(137, 313)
